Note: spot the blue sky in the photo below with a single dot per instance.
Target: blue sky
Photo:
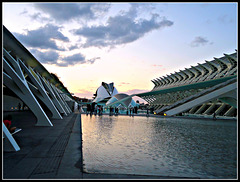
(126, 43)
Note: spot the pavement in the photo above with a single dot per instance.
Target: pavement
(52, 152)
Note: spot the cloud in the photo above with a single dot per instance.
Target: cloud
(76, 59)
(64, 12)
(52, 57)
(225, 19)
(200, 41)
(43, 37)
(91, 61)
(121, 29)
(47, 57)
(39, 17)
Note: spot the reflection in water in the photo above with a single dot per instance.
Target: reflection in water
(159, 146)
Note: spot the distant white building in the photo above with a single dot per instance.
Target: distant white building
(107, 94)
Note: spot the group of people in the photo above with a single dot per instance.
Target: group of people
(132, 110)
(111, 111)
(94, 109)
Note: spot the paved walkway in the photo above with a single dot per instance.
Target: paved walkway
(51, 152)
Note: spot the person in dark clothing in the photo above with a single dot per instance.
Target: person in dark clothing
(130, 111)
(92, 108)
(19, 106)
(214, 116)
(88, 108)
(147, 112)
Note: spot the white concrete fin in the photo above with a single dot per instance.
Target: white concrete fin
(10, 138)
(16, 68)
(62, 102)
(43, 95)
(20, 87)
(52, 95)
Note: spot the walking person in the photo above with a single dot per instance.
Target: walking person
(147, 112)
(130, 111)
(214, 116)
(19, 106)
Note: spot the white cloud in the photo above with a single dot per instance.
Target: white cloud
(42, 37)
(121, 29)
(65, 12)
(200, 41)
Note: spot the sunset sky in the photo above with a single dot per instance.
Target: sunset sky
(129, 44)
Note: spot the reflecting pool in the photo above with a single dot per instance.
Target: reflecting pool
(159, 146)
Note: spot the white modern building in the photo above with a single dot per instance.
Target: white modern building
(107, 95)
(104, 93)
(204, 90)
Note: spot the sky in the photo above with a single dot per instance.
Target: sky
(129, 44)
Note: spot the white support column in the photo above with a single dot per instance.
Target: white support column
(220, 108)
(17, 83)
(41, 93)
(210, 108)
(229, 111)
(10, 138)
(202, 99)
(59, 98)
(192, 111)
(199, 111)
(63, 96)
(52, 95)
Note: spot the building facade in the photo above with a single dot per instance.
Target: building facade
(28, 85)
(206, 89)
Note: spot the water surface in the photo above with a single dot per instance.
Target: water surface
(159, 146)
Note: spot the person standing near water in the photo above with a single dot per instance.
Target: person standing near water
(147, 112)
(214, 116)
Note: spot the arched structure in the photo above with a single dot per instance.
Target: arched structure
(124, 99)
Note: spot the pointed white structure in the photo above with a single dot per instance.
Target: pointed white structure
(105, 92)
